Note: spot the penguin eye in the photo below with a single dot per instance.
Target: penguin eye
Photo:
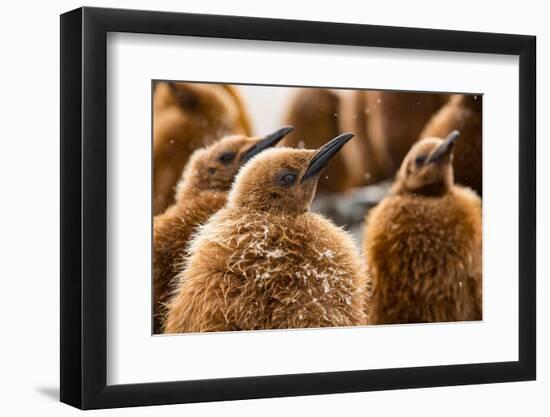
(287, 178)
(226, 157)
(419, 160)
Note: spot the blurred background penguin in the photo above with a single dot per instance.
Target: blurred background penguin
(186, 117)
(463, 113)
(386, 123)
(395, 120)
(314, 112)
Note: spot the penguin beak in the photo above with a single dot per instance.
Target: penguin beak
(325, 154)
(444, 149)
(267, 142)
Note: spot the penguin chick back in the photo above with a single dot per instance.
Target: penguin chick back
(172, 232)
(253, 271)
(425, 257)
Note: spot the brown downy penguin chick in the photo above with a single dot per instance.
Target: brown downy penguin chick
(463, 113)
(187, 117)
(372, 161)
(423, 243)
(395, 119)
(201, 192)
(315, 113)
(265, 261)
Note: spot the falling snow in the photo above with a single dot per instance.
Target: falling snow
(327, 254)
(326, 286)
(275, 253)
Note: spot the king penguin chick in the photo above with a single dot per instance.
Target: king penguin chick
(265, 261)
(201, 192)
(463, 113)
(187, 117)
(423, 243)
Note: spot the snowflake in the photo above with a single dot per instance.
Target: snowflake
(329, 254)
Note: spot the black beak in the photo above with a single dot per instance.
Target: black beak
(269, 141)
(444, 149)
(324, 155)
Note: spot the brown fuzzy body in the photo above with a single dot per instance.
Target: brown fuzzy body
(172, 232)
(255, 270)
(395, 119)
(187, 117)
(425, 258)
(463, 113)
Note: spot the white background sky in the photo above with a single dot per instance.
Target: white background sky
(267, 106)
(30, 209)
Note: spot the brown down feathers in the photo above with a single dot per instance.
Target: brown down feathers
(424, 252)
(253, 271)
(201, 192)
(265, 262)
(172, 232)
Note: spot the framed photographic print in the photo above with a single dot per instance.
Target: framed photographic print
(257, 208)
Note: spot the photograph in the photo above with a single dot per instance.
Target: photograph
(294, 207)
(311, 204)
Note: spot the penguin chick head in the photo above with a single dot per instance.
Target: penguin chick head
(427, 169)
(214, 167)
(283, 180)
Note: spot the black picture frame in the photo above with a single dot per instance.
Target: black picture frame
(84, 207)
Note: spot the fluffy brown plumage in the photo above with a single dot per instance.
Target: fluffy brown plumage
(423, 243)
(201, 192)
(462, 112)
(172, 232)
(187, 117)
(266, 262)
